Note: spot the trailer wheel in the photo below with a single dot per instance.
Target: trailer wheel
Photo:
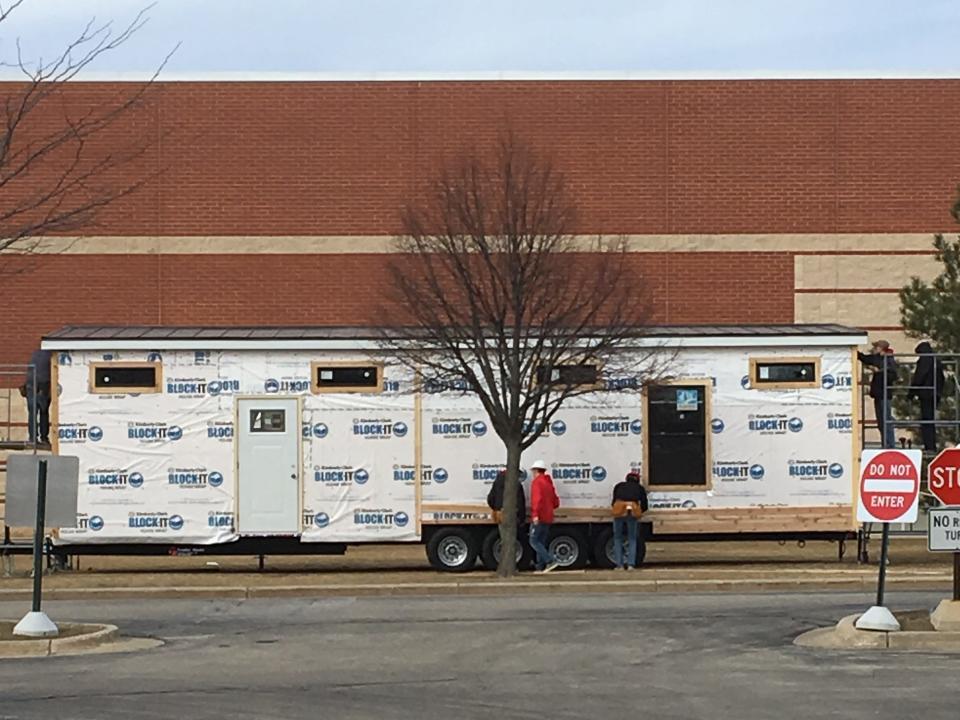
(603, 556)
(452, 549)
(569, 547)
(490, 551)
(603, 549)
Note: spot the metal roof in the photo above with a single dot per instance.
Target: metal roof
(97, 337)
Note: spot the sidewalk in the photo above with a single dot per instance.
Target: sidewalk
(365, 570)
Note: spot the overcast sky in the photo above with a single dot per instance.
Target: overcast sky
(366, 36)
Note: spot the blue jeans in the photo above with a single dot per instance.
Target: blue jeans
(628, 523)
(38, 415)
(885, 422)
(538, 541)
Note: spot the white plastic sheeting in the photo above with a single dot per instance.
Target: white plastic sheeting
(160, 467)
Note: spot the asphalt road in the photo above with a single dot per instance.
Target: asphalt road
(560, 656)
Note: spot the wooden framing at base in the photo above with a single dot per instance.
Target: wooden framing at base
(696, 521)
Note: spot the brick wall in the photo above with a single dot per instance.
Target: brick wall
(333, 290)
(317, 158)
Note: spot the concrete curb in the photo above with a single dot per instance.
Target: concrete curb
(845, 636)
(524, 584)
(102, 635)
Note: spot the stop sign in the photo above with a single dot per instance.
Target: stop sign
(889, 486)
(943, 476)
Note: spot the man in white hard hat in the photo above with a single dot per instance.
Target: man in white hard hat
(543, 503)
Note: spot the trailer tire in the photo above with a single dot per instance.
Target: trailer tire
(603, 549)
(569, 547)
(490, 551)
(453, 549)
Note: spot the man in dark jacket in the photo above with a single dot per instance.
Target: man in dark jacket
(927, 387)
(629, 500)
(36, 390)
(495, 498)
(882, 361)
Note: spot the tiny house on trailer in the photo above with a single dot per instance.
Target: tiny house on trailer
(268, 440)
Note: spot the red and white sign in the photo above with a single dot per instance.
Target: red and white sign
(889, 486)
(943, 476)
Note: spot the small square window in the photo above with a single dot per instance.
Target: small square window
(347, 377)
(784, 373)
(124, 377)
(268, 421)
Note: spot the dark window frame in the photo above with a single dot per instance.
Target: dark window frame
(596, 382)
(757, 363)
(253, 411)
(317, 388)
(98, 368)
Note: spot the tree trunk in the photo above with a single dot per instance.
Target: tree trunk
(508, 518)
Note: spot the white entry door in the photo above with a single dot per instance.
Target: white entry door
(268, 459)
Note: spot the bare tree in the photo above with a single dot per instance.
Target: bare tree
(499, 296)
(55, 177)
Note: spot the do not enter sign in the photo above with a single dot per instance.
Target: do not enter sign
(889, 486)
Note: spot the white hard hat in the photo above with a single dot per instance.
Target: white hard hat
(538, 465)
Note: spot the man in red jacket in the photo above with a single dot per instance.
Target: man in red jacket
(543, 502)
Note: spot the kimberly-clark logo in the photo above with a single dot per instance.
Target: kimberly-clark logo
(615, 426)
(222, 431)
(154, 522)
(317, 430)
(76, 433)
(727, 470)
(150, 432)
(113, 479)
(378, 429)
(840, 381)
(187, 387)
(773, 424)
(408, 473)
(318, 520)
(457, 428)
(814, 469)
(840, 423)
(195, 477)
(340, 475)
(223, 386)
(219, 519)
(574, 473)
(716, 426)
(380, 519)
(286, 385)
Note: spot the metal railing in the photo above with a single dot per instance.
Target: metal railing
(909, 418)
(16, 435)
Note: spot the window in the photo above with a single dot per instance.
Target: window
(268, 421)
(784, 373)
(579, 374)
(676, 438)
(347, 377)
(124, 377)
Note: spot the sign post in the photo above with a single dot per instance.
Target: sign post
(943, 535)
(29, 503)
(889, 493)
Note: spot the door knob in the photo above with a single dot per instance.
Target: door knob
(293, 476)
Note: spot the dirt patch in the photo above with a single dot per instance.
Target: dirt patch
(914, 621)
(66, 630)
